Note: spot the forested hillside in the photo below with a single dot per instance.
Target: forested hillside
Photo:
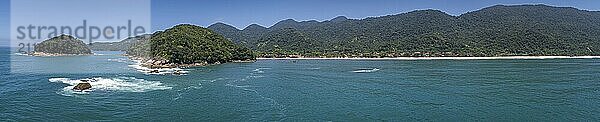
(62, 45)
(189, 44)
(493, 31)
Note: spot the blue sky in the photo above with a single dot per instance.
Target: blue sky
(241, 13)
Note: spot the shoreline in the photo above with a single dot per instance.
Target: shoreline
(42, 54)
(443, 58)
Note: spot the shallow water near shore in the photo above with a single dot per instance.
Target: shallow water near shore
(303, 90)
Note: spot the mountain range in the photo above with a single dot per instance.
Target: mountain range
(499, 30)
(122, 45)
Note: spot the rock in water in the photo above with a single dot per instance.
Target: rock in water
(82, 86)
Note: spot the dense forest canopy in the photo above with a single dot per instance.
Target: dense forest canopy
(493, 31)
(63, 44)
(188, 44)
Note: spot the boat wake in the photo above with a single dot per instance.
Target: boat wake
(366, 70)
(120, 84)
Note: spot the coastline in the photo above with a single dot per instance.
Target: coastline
(443, 58)
(42, 54)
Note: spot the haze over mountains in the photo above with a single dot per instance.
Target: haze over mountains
(493, 31)
(122, 45)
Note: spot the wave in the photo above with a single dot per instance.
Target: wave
(366, 70)
(260, 70)
(213, 80)
(186, 90)
(161, 71)
(120, 84)
(121, 60)
(21, 54)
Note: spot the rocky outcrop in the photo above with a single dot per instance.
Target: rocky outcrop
(82, 86)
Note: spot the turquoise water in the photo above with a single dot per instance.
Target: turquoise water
(36, 89)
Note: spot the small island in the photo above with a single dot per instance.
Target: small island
(62, 45)
(187, 45)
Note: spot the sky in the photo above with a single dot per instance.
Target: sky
(43, 14)
(4, 21)
(241, 13)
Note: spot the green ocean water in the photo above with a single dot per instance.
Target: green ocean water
(37, 89)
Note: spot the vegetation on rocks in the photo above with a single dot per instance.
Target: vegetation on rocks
(189, 45)
(62, 45)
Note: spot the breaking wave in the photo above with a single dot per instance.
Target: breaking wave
(122, 60)
(121, 84)
(20, 54)
(159, 71)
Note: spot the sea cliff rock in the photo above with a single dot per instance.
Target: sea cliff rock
(82, 86)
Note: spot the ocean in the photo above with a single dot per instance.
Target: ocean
(39, 89)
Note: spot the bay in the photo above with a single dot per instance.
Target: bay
(36, 88)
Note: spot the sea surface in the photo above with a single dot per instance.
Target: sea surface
(38, 89)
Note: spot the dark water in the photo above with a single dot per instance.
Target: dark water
(304, 90)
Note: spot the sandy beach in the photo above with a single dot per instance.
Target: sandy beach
(442, 58)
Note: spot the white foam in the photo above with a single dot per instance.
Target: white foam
(121, 84)
(161, 71)
(213, 80)
(366, 70)
(20, 54)
(122, 60)
(260, 70)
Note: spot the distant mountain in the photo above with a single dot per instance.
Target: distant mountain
(223, 28)
(62, 45)
(493, 31)
(230, 32)
(339, 19)
(122, 45)
(255, 27)
(250, 33)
